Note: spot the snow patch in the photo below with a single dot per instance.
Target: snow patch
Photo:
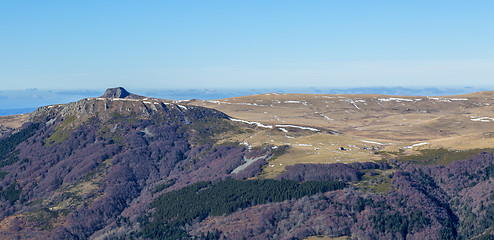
(179, 101)
(245, 143)
(353, 103)
(372, 142)
(124, 99)
(249, 104)
(447, 99)
(395, 99)
(417, 144)
(327, 118)
(302, 145)
(251, 123)
(299, 127)
(481, 119)
(283, 130)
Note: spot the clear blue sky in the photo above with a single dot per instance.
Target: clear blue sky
(255, 43)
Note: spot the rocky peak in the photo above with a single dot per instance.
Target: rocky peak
(119, 92)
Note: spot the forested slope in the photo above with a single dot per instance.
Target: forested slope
(77, 168)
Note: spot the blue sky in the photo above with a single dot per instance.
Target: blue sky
(245, 44)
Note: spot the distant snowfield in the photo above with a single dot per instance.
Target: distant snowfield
(447, 99)
(238, 103)
(395, 99)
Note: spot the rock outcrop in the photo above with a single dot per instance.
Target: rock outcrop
(119, 92)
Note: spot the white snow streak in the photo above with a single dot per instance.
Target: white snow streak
(372, 142)
(395, 99)
(302, 145)
(251, 123)
(124, 99)
(417, 144)
(299, 127)
(327, 118)
(283, 130)
(481, 119)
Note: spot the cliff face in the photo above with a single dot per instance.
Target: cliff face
(76, 168)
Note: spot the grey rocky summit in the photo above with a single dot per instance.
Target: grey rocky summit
(119, 92)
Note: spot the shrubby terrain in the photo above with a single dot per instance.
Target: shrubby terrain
(70, 174)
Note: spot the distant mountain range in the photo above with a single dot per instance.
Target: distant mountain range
(24, 101)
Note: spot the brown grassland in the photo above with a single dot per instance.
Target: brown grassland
(367, 127)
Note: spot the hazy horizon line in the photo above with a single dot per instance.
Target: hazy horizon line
(24, 101)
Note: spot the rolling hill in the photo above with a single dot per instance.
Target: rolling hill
(364, 124)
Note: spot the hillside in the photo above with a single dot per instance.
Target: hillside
(271, 166)
(78, 167)
(365, 124)
(12, 122)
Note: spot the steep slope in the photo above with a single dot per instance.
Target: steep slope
(76, 168)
